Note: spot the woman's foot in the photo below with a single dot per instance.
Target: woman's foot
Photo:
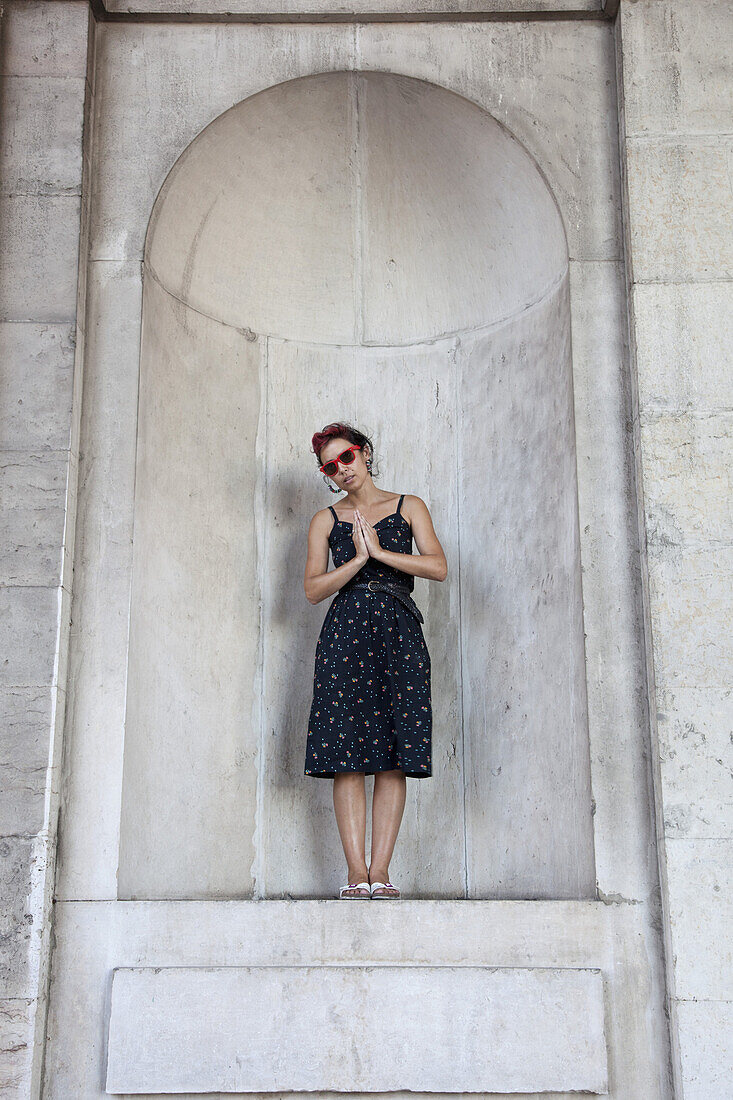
(381, 875)
(353, 890)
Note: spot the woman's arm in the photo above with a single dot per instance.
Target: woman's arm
(318, 583)
(430, 562)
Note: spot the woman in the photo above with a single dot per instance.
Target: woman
(371, 712)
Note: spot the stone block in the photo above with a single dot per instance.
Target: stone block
(684, 346)
(40, 141)
(695, 726)
(22, 870)
(26, 715)
(677, 58)
(706, 1048)
(33, 516)
(692, 610)
(611, 577)
(139, 138)
(700, 874)
(28, 637)
(39, 238)
(103, 554)
(42, 39)
(556, 93)
(356, 1028)
(679, 209)
(688, 479)
(37, 381)
(324, 9)
(17, 1049)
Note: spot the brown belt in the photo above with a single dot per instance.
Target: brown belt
(398, 591)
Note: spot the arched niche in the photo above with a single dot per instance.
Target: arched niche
(367, 245)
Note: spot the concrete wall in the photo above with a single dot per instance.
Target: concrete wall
(650, 463)
(368, 244)
(43, 216)
(677, 83)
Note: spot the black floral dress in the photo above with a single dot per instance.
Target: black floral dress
(371, 708)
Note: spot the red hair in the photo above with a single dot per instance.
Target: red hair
(334, 431)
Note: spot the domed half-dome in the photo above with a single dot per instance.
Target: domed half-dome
(356, 208)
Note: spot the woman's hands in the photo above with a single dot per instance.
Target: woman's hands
(366, 539)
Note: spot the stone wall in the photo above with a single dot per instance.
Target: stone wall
(45, 92)
(676, 82)
(653, 464)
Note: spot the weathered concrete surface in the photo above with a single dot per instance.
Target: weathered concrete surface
(553, 85)
(370, 209)
(43, 87)
(329, 10)
(675, 70)
(94, 938)
(444, 1029)
(437, 224)
(192, 679)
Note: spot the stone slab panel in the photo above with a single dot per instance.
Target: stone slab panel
(28, 635)
(17, 1050)
(524, 696)
(622, 940)
(40, 143)
(700, 874)
(276, 251)
(89, 837)
(688, 479)
(328, 10)
(695, 728)
(706, 1048)
(422, 1029)
(617, 713)
(195, 631)
(42, 39)
(680, 66)
(684, 346)
(405, 399)
(39, 238)
(692, 615)
(679, 209)
(36, 383)
(33, 516)
(25, 721)
(23, 862)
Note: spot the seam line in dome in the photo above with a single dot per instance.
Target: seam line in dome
(451, 334)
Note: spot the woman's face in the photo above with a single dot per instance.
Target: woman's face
(349, 476)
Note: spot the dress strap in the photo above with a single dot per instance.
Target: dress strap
(335, 517)
(400, 503)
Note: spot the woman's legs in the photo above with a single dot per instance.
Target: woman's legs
(349, 803)
(388, 803)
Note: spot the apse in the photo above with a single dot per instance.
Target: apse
(368, 246)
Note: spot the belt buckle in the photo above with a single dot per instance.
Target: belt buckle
(369, 585)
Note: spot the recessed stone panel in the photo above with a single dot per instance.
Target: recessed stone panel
(356, 1029)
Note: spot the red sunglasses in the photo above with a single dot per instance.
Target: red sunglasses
(347, 457)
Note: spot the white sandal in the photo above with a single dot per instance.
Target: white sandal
(384, 886)
(355, 897)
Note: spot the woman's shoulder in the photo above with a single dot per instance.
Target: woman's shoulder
(322, 519)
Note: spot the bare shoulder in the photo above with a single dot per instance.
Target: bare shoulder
(322, 520)
(414, 507)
